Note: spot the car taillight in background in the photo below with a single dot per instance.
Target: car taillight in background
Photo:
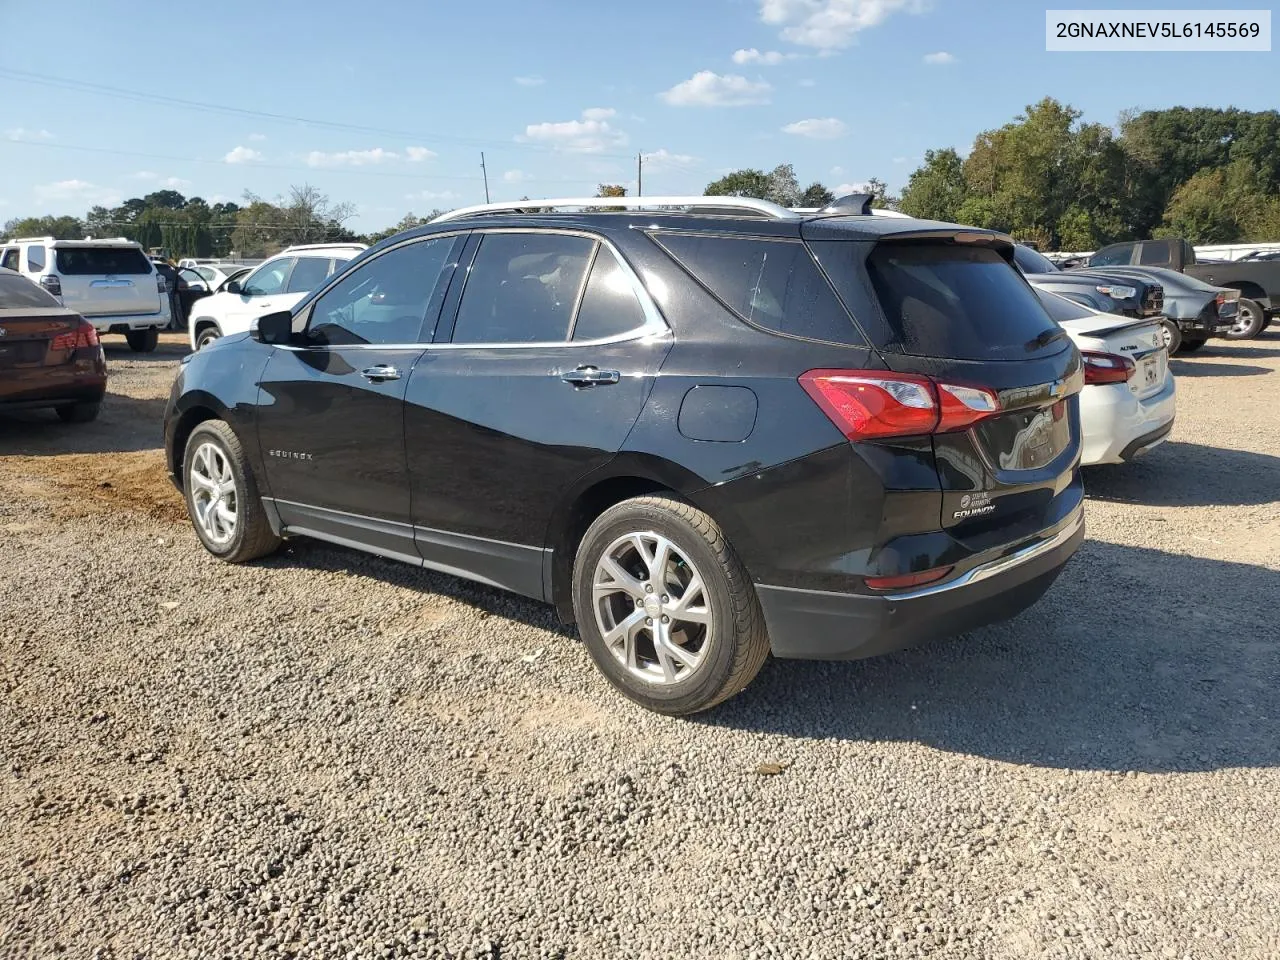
(1228, 303)
(1106, 367)
(52, 284)
(83, 337)
(161, 286)
(871, 404)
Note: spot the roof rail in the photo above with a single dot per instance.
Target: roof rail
(764, 208)
(331, 245)
(27, 239)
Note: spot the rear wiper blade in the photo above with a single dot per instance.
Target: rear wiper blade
(1045, 338)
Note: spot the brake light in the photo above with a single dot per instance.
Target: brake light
(871, 404)
(1106, 367)
(83, 337)
(52, 284)
(907, 580)
(161, 286)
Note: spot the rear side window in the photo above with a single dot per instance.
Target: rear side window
(963, 303)
(609, 305)
(308, 273)
(35, 259)
(522, 288)
(21, 292)
(772, 284)
(110, 261)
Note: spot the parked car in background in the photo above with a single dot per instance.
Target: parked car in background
(1128, 402)
(277, 284)
(215, 275)
(1257, 280)
(1195, 312)
(668, 424)
(111, 283)
(1128, 298)
(50, 356)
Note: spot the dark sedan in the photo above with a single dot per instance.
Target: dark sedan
(49, 355)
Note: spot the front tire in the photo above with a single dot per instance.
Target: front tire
(665, 607)
(1172, 336)
(206, 336)
(222, 496)
(1249, 323)
(143, 341)
(1190, 346)
(78, 412)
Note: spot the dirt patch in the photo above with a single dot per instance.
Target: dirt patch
(81, 484)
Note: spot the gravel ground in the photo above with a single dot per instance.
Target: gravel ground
(329, 755)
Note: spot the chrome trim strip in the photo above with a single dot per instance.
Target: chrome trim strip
(995, 567)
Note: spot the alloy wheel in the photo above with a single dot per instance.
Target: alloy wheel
(214, 499)
(652, 608)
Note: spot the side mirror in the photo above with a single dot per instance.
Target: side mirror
(231, 286)
(275, 328)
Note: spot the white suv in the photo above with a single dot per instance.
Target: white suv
(111, 283)
(278, 284)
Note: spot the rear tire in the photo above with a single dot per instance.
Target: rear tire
(1249, 323)
(1172, 336)
(143, 341)
(645, 601)
(78, 412)
(239, 531)
(1190, 346)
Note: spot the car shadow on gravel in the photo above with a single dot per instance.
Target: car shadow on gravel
(116, 351)
(1190, 368)
(1135, 660)
(125, 425)
(1177, 474)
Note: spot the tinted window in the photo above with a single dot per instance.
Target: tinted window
(1155, 252)
(1112, 256)
(522, 288)
(207, 273)
(386, 299)
(268, 279)
(308, 273)
(35, 258)
(108, 261)
(964, 303)
(21, 292)
(609, 305)
(1062, 309)
(10, 259)
(1031, 261)
(772, 284)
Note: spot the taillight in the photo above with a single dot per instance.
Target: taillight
(1106, 367)
(161, 286)
(83, 337)
(52, 284)
(870, 404)
(906, 580)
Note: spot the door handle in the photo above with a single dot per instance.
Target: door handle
(380, 373)
(591, 376)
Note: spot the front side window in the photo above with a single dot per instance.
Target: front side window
(522, 288)
(386, 299)
(1120, 254)
(268, 279)
(35, 258)
(308, 273)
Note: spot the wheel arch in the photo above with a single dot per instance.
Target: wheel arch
(199, 408)
(1248, 290)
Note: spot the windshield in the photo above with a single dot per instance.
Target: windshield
(1029, 261)
(1062, 309)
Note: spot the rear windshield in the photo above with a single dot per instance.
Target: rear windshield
(112, 261)
(1062, 309)
(21, 292)
(964, 303)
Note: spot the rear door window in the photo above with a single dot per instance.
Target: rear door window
(962, 303)
(610, 307)
(35, 258)
(103, 261)
(1115, 256)
(268, 279)
(10, 259)
(772, 284)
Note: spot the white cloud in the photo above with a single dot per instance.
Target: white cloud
(837, 171)
(257, 137)
(665, 158)
(175, 183)
(242, 155)
(847, 188)
(143, 175)
(708, 89)
(530, 81)
(418, 154)
(818, 128)
(830, 24)
(350, 158)
(768, 58)
(591, 134)
(515, 176)
(941, 58)
(22, 133)
(79, 191)
(169, 183)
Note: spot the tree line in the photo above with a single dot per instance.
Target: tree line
(1210, 175)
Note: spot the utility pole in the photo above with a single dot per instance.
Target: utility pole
(639, 174)
(484, 170)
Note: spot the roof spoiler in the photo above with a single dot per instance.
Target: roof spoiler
(851, 204)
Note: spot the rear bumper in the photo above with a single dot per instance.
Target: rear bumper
(818, 625)
(131, 321)
(1117, 425)
(82, 380)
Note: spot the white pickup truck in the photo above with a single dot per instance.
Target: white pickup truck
(111, 283)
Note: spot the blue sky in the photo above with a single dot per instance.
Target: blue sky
(560, 95)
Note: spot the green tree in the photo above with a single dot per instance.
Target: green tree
(60, 228)
(936, 190)
(816, 195)
(740, 183)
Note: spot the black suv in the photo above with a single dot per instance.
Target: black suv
(705, 431)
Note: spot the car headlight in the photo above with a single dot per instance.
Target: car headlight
(1116, 292)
